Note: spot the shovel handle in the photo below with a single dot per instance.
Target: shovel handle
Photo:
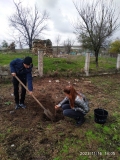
(38, 102)
(28, 91)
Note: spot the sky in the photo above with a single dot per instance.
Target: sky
(62, 14)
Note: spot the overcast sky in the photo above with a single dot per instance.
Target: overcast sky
(62, 13)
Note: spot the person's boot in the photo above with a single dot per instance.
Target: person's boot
(17, 106)
(80, 121)
(22, 105)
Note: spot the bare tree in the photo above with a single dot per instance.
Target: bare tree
(68, 44)
(28, 23)
(58, 38)
(97, 21)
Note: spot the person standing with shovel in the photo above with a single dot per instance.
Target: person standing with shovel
(22, 68)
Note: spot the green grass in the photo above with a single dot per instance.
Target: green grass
(105, 63)
(63, 64)
(99, 139)
(6, 58)
(66, 66)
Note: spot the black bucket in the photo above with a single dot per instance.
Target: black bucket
(100, 115)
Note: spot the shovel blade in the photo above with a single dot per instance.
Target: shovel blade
(48, 114)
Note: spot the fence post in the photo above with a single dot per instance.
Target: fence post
(87, 63)
(118, 62)
(40, 62)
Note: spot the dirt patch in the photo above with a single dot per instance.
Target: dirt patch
(27, 134)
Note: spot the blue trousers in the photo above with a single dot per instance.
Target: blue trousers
(67, 111)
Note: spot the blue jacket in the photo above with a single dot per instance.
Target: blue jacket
(16, 66)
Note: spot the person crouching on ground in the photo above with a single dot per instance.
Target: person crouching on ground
(21, 68)
(74, 105)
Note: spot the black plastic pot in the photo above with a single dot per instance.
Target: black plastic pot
(100, 115)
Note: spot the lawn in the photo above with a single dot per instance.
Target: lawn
(71, 65)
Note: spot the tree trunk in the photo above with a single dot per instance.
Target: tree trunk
(96, 58)
(30, 44)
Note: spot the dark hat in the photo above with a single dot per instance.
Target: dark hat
(27, 60)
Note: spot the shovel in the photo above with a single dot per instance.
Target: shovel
(46, 111)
